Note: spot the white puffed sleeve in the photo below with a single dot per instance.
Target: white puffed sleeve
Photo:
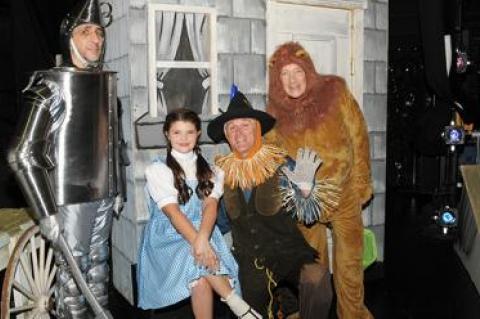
(217, 180)
(160, 184)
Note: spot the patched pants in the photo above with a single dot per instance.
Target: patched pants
(310, 292)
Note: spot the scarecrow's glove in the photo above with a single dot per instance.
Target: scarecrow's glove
(306, 166)
(50, 228)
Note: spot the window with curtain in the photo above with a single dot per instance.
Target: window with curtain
(182, 59)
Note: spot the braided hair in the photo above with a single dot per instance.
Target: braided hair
(204, 172)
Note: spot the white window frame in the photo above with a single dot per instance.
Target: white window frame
(153, 64)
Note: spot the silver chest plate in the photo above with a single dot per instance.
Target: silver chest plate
(84, 144)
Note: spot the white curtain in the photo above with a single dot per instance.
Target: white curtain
(197, 29)
(169, 29)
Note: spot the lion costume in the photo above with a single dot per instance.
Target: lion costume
(327, 119)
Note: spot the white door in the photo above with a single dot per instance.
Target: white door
(331, 36)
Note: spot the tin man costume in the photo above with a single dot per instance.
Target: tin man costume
(66, 160)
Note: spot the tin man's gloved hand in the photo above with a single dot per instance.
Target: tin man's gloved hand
(306, 166)
(117, 205)
(50, 227)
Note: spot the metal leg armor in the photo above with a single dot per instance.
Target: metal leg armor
(97, 274)
(70, 302)
(86, 231)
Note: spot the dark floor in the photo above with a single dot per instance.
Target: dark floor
(375, 293)
(422, 277)
(434, 285)
(431, 284)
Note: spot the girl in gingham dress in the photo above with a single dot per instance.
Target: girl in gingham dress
(183, 253)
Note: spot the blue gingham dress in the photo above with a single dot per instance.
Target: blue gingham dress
(166, 268)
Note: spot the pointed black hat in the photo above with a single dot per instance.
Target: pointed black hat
(239, 107)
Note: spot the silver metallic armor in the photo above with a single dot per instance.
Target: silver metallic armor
(68, 152)
(66, 159)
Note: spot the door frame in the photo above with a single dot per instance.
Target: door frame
(356, 13)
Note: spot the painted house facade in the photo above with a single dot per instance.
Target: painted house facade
(188, 52)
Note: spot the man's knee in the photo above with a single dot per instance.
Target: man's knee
(314, 274)
(315, 280)
(99, 255)
(316, 291)
(98, 273)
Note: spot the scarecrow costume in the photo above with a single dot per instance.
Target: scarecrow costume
(259, 201)
(327, 119)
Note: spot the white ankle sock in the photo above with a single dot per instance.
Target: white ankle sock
(239, 307)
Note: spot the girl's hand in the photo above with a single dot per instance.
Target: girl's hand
(204, 254)
(211, 261)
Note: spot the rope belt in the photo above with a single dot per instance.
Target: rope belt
(271, 282)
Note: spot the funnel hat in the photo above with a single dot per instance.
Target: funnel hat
(88, 11)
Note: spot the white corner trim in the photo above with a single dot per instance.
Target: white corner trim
(181, 8)
(339, 4)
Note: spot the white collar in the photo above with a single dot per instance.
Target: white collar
(187, 162)
(184, 157)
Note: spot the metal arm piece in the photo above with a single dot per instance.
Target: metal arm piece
(28, 158)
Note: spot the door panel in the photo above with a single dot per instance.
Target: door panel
(323, 32)
(323, 51)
